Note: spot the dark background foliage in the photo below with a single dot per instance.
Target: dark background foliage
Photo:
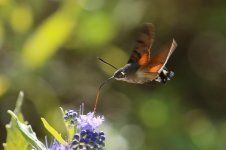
(48, 49)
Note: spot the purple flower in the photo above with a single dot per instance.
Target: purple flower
(89, 122)
(85, 138)
(55, 145)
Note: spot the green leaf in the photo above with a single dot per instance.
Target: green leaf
(14, 137)
(54, 133)
(28, 133)
(70, 130)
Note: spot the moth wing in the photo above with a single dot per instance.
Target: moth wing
(147, 75)
(160, 59)
(141, 51)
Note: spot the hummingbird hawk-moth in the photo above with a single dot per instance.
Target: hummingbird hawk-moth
(142, 66)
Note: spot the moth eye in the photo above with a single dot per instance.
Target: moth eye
(121, 75)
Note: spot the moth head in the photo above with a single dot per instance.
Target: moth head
(119, 74)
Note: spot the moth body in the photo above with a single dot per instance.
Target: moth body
(144, 67)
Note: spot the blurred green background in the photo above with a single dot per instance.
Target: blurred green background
(48, 49)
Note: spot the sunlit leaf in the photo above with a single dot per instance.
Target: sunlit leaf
(70, 131)
(14, 137)
(154, 112)
(28, 133)
(53, 132)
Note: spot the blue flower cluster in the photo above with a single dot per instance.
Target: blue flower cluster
(70, 117)
(85, 136)
(88, 140)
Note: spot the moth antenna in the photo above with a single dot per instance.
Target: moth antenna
(98, 92)
(107, 63)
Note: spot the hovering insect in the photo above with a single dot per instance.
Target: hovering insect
(143, 67)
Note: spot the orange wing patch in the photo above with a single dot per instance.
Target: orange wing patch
(161, 57)
(140, 53)
(144, 59)
(155, 69)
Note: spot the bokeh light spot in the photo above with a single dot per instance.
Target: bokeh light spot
(153, 113)
(115, 141)
(201, 130)
(21, 19)
(96, 30)
(134, 134)
(133, 14)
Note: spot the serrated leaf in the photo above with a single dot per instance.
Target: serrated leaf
(53, 132)
(14, 137)
(28, 133)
